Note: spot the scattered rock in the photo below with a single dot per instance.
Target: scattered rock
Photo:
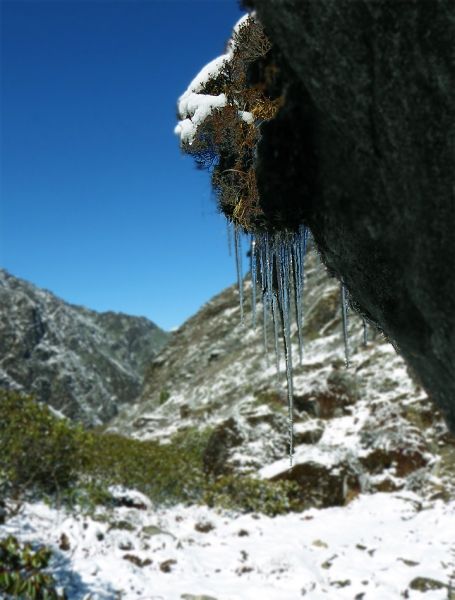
(64, 543)
(225, 436)
(129, 498)
(308, 432)
(409, 563)
(328, 563)
(322, 484)
(204, 527)
(137, 561)
(166, 566)
(309, 588)
(185, 411)
(122, 524)
(125, 545)
(340, 584)
(3, 512)
(424, 584)
(151, 530)
(243, 569)
(329, 398)
(265, 415)
(386, 483)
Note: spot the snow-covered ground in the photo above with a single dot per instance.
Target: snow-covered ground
(379, 547)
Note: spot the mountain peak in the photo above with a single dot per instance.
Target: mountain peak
(81, 362)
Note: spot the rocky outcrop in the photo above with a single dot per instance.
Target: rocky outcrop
(362, 151)
(82, 363)
(364, 429)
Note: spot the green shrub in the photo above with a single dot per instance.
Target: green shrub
(37, 449)
(250, 494)
(164, 397)
(272, 399)
(21, 571)
(46, 455)
(167, 473)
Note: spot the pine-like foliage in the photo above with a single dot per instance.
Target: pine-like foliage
(226, 140)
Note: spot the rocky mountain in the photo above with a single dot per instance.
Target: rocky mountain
(82, 363)
(364, 429)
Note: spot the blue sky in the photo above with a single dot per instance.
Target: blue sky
(97, 203)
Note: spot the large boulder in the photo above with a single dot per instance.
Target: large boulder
(362, 151)
(326, 477)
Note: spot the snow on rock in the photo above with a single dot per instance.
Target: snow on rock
(194, 107)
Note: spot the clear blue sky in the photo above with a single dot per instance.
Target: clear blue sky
(97, 203)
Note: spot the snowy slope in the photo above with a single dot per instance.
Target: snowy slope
(382, 546)
(363, 429)
(81, 362)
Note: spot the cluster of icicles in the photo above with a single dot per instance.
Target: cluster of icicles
(278, 269)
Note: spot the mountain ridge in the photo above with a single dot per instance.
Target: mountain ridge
(83, 363)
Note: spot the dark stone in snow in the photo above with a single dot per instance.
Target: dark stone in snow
(363, 151)
(225, 436)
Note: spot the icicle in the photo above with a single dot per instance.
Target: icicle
(284, 267)
(261, 254)
(304, 232)
(253, 277)
(298, 247)
(229, 236)
(345, 323)
(238, 260)
(275, 317)
(365, 333)
(269, 261)
(264, 308)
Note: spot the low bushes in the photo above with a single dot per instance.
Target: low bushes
(21, 571)
(250, 494)
(41, 454)
(37, 449)
(166, 473)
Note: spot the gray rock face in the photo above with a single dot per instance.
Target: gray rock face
(83, 363)
(363, 152)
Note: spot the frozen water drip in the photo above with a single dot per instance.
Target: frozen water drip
(238, 260)
(344, 310)
(253, 277)
(277, 265)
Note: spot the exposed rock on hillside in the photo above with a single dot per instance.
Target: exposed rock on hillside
(83, 363)
(368, 428)
(362, 151)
